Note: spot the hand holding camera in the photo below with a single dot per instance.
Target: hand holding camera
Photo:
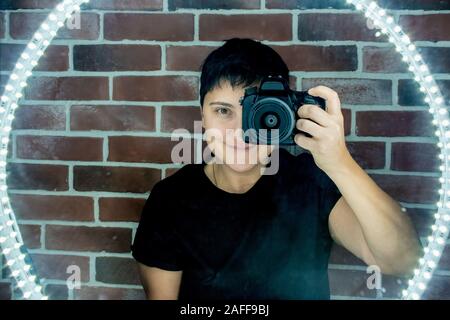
(275, 114)
(269, 114)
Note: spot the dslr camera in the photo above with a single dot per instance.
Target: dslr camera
(269, 114)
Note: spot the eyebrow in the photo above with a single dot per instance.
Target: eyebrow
(222, 103)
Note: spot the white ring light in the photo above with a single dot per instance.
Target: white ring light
(11, 243)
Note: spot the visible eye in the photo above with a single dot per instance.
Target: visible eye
(223, 111)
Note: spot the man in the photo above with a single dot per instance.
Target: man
(226, 231)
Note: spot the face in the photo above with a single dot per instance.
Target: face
(222, 120)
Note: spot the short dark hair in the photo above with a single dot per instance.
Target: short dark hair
(242, 62)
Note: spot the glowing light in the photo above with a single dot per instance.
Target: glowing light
(11, 242)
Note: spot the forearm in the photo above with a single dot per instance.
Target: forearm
(387, 230)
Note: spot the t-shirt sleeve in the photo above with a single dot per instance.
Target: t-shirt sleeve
(155, 243)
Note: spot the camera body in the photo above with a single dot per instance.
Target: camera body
(269, 114)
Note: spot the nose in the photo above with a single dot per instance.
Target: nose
(235, 138)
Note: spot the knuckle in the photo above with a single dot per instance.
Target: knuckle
(334, 95)
(305, 109)
(337, 127)
(322, 148)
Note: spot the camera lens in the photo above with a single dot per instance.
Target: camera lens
(272, 121)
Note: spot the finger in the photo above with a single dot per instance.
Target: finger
(309, 126)
(331, 97)
(315, 113)
(304, 142)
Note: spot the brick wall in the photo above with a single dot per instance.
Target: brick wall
(91, 138)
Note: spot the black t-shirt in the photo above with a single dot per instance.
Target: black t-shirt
(271, 242)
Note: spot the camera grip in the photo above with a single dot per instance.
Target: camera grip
(309, 99)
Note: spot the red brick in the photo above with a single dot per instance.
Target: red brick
(175, 117)
(356, 91)
(393, 123)
(340, 255)
(393, 286)
(48, 207)
(115, 179)
(334, 26)
(3, 81)
(156, 88)
(171, 171)
(275, 27)
(141, 149)
(10, 152)
(24, 24)
(293, 82)
(117, 270)
(55, 58)
(410, 156)
(26, 176)
(409, 188)
(93, 4)
(387, 60)
(145, 149)
(120, 209)
(108, 293)
(350, 283)
(158, 27)
(444, 261)
(410, 95)
(347, 114)
(40, 117)
(31, 234)
(67, 88)
(422, 220)
(112, 118)
(339, 4)
(125, 5)
(59, 148)
(307, 4)
(116, 57)
(426, 27)
(54, 266)
(438, 288)
(5, 291)
(217, 4)
(29, 4)
(415, 5)
(319, 58)
(438, 58)
(57, 292)
(383, 59)
(80, 238)
(186, 58)
(2, 25)
(368, 154)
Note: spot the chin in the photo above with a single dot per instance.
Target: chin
(240, 160)
(245, 162)
(241, 167)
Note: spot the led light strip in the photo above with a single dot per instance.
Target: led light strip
(10, 238)
(433, 97)
(11, 242)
